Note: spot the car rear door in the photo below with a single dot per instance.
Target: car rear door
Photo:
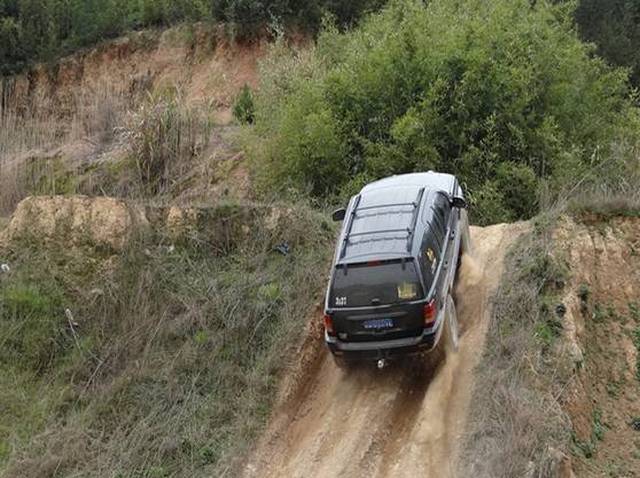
(376, 301)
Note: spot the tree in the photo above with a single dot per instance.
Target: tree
(11, 52)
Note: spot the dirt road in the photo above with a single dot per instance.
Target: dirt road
(399, 422)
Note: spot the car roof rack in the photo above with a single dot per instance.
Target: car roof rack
(414, 219)
(408, 230)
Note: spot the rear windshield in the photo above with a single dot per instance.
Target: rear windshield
(380, 283)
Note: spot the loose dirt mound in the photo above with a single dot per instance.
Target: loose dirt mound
(403, 421)
(110, 224)
(102, 222)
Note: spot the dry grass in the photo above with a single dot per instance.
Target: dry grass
(516, 420)
(171, 368)
(606, 203)
(101, 141)
(33, 138)
(20, 134)
(165, 137)
(609, 188)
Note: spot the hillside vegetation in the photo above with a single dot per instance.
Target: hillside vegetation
(505, 95)
(37, 30)
(40, 30)
(156, 352)
(147, 343)
(614, 26)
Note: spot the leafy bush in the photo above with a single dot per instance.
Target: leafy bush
(243, 106)
(502, 94)
(614, 25)
(518, 184)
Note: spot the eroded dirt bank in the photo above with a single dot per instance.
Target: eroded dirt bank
(403, 421)
(602, 337)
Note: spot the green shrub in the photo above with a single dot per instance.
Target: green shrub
(489, 204)
(614, 25)
(243, 106)
(248, 18)
(519, 185)
(502, 94)
(33, 326)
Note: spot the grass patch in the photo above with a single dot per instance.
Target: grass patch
(636, 343)
(614, 387)
(27, 401)
(168, 361)
(588, 448)
(608, 312)
(606, 204)
(164, 137)
(634, 311)
(515, 416)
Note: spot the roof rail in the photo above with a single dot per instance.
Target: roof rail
(381, 231)
(414, 219)
(347, 228)
(377, 206)
(409, 230)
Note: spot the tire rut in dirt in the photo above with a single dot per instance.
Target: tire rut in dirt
(404, 420)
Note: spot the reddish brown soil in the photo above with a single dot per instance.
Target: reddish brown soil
(603, 398)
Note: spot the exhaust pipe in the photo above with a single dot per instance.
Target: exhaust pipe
(381, 364)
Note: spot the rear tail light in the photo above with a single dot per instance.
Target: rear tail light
(328, 325)
(429, 313)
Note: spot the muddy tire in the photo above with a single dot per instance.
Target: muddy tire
(449, 340)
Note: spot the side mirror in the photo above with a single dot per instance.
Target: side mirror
(339, 214)
(458, 202)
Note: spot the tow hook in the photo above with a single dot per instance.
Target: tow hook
(382, 363)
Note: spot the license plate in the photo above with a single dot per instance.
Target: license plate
(378, 324)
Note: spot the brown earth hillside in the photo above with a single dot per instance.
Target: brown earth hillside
(82, 126)
(196, 58)
(603, 330)
(399, 423)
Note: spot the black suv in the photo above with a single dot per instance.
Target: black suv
(394, 267)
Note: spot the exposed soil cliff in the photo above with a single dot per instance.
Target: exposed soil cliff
(602, 329)
(207, 68)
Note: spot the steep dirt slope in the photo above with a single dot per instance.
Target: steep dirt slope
(602, 327)
(75, 126)
(196, 59)
(403, 421)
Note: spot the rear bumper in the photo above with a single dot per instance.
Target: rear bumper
(385, 348)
